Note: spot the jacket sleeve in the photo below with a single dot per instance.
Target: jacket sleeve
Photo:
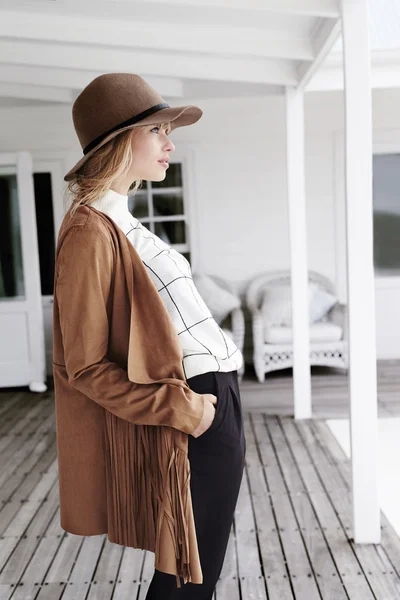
(82, 286)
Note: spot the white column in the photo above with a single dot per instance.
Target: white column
(360, 272)
(298, 251)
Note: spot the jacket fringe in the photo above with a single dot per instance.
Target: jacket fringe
(148, 494)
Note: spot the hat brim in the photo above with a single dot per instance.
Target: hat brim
(177, 116)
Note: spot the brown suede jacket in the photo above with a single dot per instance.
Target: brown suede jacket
(123, 407)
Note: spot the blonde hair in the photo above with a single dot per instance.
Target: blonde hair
(96, 176)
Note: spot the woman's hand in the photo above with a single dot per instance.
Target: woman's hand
(208, 415)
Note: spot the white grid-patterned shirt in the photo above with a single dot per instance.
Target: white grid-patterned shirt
(205, 346)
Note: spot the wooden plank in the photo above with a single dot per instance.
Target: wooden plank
(26, 416)
(329, 391)
(108, 565)
(383, 585)
(294, 506)
(227, 588)
(148, 566)
(300, 570)
(27, 474)
(21, 447)
(8, 400)
(23, 491)
(273, 561)
(75, 590)
(10, 416)
(126, 590)
(40, 560)
(252, 587)
(101, 590)
(229, 567)
(339, 567)
(7, 546)
(18, 560)
(315, 542)
(6, 591)
(54, 527)
(25, 592)
(29, 508)
(383, 559)
(40, 523)
(64, 558)
(131, 565)
(50, 591)
(84, 567)
(245, 531)
(390, 543)
(143, 590)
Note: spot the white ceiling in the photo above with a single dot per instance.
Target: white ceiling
(51, 49)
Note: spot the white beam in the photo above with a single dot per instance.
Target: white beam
(75, 79)
(171, 64)
(385, 72)
(33, 92)
(318, 8)
(244, 41)
(323, 42)
(360, 273)
(298, 252)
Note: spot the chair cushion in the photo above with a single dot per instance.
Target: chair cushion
(319, 332)
(276, 305)
(321, 303)
(219, 301)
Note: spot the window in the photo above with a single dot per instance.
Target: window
(12, 283)
(386, 198)
(160, 206)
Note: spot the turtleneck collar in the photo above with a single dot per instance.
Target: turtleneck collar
(112, 202)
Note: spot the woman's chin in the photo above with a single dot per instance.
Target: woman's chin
(158, 176)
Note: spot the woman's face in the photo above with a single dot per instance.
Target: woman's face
(151, 150)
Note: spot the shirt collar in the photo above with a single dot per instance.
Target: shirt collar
(112, 202)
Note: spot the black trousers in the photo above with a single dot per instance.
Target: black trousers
(216, 463)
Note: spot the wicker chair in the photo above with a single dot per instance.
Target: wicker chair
(269, 356)
(233, 324)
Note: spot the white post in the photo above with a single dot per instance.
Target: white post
(360, 272)
(298, 252)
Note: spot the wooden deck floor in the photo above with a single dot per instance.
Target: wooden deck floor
(330, 395)
(291, 536)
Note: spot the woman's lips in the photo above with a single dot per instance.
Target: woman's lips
(164, 163)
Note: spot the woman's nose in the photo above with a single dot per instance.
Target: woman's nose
(168, 145)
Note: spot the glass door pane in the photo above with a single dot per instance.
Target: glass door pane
(45, 230)
(386, 185)
(12, 284)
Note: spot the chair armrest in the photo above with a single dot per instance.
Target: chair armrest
(238, 327)
(338, 316)
(257, 322)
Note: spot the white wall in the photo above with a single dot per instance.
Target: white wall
(239, 179)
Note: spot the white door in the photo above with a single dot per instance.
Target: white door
(22, 344)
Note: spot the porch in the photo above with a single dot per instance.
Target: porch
(291, 533)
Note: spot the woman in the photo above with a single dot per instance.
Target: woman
(132, 333)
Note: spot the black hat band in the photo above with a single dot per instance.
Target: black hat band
(139, 117)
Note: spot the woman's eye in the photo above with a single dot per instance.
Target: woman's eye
(158, 129)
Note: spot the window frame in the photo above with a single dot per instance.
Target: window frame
(149, 192)
(384, 142)
(185, 157)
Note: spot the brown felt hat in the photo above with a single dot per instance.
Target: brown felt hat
(114, 102)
